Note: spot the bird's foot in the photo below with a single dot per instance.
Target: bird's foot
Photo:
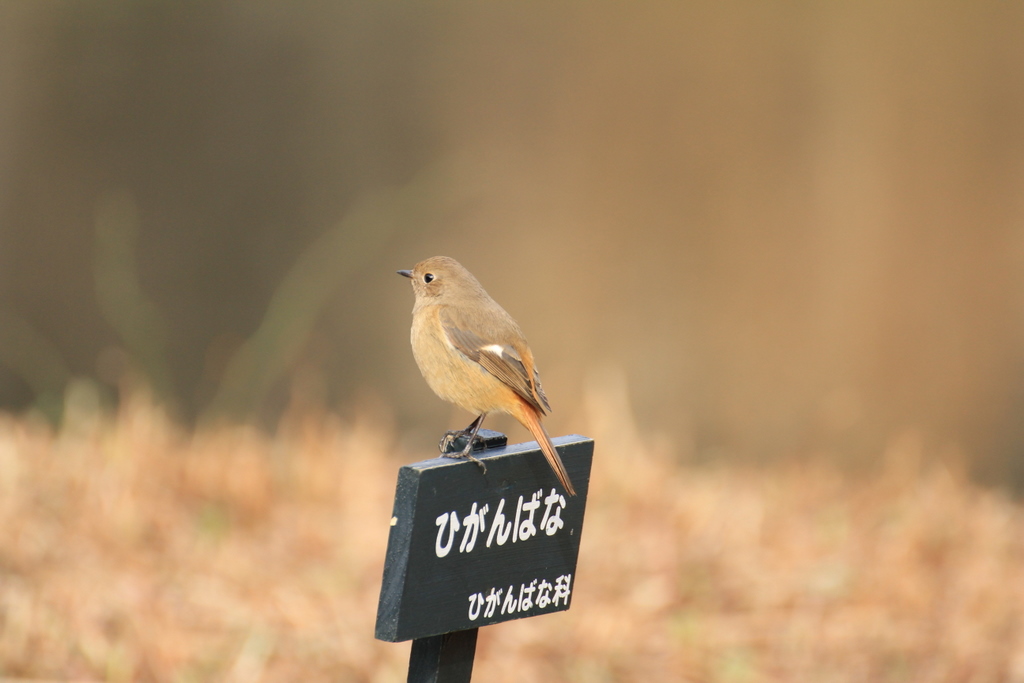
(457, 444)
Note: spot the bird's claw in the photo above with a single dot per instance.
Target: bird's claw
(456, 444)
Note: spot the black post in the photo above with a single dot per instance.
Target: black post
(447, 658)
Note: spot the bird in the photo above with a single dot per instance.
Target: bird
(473, 354)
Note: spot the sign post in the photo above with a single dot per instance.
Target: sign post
(470, 549)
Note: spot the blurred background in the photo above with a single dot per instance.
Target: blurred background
(770, 255)
(791, 228)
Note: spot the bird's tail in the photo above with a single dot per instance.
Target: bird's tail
(528, 416)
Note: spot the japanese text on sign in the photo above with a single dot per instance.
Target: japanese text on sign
(539, 592)
(502, 527)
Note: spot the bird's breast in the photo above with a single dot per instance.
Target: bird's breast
(449, 373)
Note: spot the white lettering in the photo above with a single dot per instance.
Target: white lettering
(476, 601)
(538, 593)
(527, 528)
(498, 526)
(551, 523)
(562, 589)
(473, 523)
(442, 521)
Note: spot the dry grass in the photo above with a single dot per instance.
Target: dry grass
(134, 551)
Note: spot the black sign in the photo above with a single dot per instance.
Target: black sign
(469, 549)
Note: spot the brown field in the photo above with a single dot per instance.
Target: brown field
(133, 550)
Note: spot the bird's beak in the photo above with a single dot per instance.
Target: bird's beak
(405, 273)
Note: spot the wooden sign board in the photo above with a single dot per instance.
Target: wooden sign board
(469, 549)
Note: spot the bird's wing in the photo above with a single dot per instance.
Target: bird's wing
(501, 360)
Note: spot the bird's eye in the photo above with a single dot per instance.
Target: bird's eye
(428, 278)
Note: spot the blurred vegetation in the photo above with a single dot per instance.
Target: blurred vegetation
(137, 551)
(138, 324)
(795, 229)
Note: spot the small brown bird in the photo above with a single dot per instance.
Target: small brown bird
(473, 354)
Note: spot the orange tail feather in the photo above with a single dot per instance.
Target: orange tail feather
(529, 419)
